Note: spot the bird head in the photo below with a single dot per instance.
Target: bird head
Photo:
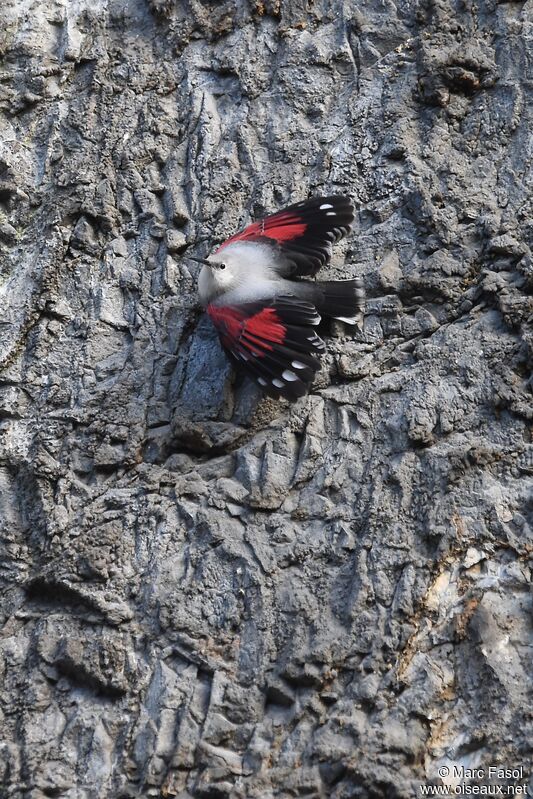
(242, 266)
(218, 275)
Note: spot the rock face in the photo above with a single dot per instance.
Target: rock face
(208, 594)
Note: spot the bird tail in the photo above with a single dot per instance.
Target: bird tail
(341, 299)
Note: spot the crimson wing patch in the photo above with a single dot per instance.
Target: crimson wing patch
(304, 232)
(273, 341)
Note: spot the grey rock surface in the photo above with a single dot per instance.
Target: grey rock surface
(205, 593)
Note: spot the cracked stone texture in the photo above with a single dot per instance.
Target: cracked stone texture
(205, 593)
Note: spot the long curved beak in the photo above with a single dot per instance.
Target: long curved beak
(200, 260)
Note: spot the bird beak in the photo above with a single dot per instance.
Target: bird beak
(199, 260)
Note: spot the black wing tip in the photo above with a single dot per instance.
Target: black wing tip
(292, 382)
(284, 372)
(291, 395)
(319, 199)
(340, 204)
(328, 218)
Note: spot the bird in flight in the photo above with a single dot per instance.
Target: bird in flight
(255, 290)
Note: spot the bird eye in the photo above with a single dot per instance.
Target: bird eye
(222, 266)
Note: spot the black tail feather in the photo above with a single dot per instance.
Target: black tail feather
(341, 299)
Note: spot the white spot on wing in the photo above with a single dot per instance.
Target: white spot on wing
(325, 206)
(262, 381)
(331, 213)
(289, 376)
(298, 365)
(278, 383)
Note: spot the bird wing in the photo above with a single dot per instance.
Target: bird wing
(273, 341)
(303, 232)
